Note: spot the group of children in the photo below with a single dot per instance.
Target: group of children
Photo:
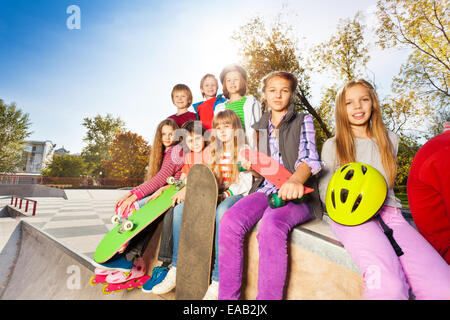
(215, 133)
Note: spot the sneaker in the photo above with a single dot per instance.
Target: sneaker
(158, 275)
(168, 284)
(213, 291)
(116, 264)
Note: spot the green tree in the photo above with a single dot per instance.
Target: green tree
(343, 57)
(345, 54)
(14, 126)
(266, 48)
(66, 165)
(422, 26)
(407, 149)
(129, 156)
(99, 137)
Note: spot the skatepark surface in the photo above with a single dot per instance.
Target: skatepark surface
(35, 264)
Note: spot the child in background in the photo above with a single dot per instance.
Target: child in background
(223, 155)
(429, 191)
(362, 136)
(182, 99)
(166, 160)
(234, 82)
(205, 109)
(291, 141)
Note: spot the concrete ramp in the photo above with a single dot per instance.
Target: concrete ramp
(34, 265)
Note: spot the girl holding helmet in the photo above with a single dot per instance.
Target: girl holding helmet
(362, 136)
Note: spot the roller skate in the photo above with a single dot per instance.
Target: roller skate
(100, 276)
(126, 280)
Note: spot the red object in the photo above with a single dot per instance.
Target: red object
(130, 284)
(428, 190)
(269, 168)
(185, 117)
(206, 112)
(26, 204)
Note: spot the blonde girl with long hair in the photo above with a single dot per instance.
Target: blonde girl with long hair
(222, 156)
(361, 136)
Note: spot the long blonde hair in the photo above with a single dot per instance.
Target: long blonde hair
(217, 147)
(345, 145)
(158, 149)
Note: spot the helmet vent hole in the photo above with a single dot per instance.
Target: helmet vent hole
(332, 199)
(357, 202)
(349, 175)
(344, 195)
(343, 168)
(364, 169)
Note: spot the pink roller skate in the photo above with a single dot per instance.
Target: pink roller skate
(125, 280)
(100, 276)
(129, 285)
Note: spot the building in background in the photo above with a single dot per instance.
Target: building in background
(37, 155)
(61, 151)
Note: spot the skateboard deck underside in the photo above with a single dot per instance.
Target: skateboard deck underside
(197, 234)
(113, 240)
(269, 168)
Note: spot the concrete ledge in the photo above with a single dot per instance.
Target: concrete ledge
(31, 190)
(319, 267)
(316, 236)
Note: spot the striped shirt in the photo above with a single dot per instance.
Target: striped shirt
(238, 107)
(171, 166)
(306, 152)
(224, 165)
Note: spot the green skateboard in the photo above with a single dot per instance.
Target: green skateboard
(127, 229)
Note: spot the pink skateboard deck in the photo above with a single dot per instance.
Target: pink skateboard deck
(269, 168)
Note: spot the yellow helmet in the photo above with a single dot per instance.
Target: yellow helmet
(355, 193)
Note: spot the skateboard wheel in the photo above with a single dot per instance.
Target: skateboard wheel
(128, 225)
(275, 201)
(115, 219)
(171, 180)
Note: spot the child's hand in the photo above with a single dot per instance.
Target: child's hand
(179, 197)
(246, 165)
(122, 199)
(126, 204)
(291, 190)
(156, 194)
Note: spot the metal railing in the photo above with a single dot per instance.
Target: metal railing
(15, 199)
(72, 182)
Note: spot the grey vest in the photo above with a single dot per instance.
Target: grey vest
(289, 133)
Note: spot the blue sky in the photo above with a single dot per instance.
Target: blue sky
(128, 55)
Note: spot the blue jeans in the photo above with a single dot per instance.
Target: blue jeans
(221, 209)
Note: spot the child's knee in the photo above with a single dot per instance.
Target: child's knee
(230, 227)
(178, 213)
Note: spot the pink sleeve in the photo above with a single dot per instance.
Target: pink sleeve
(171, 167)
